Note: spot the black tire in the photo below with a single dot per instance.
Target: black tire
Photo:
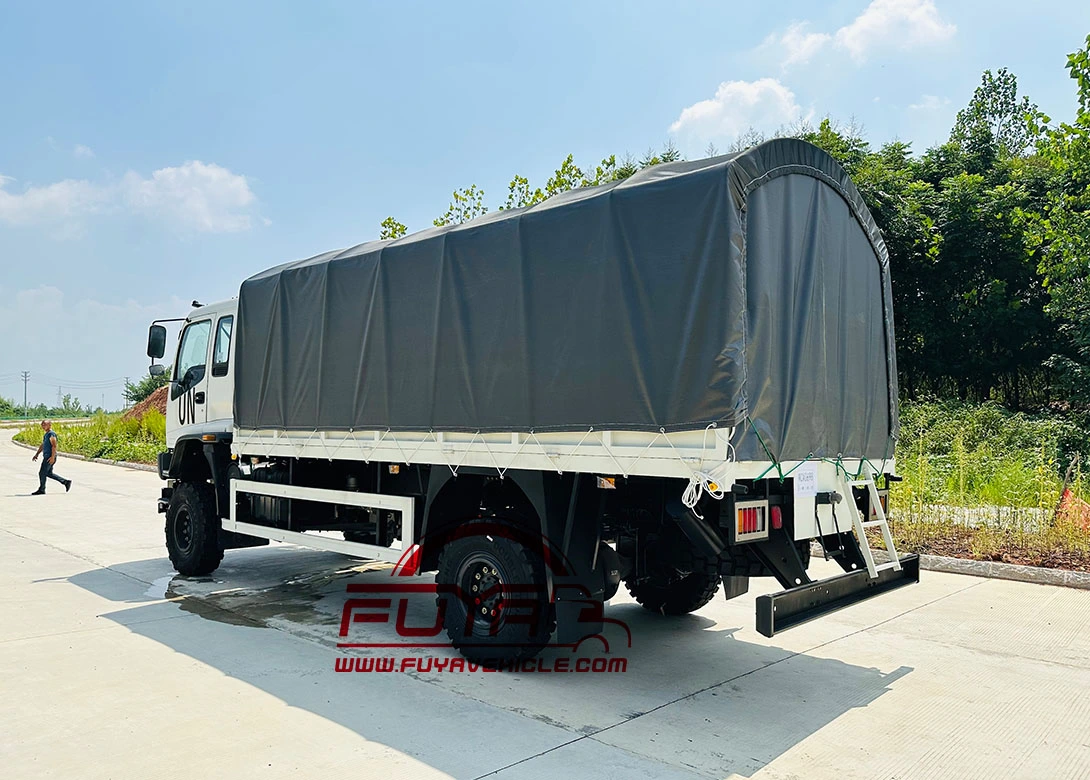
(678, 593)
(193, 530)
(674, 579)
(508, 575)
(361, 537)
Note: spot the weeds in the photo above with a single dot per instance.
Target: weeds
(980, 482)
(108, 436)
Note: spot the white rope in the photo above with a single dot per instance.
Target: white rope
(643, 452)
(465, 454)
(510, 463)
(713, 482)
(545, 453)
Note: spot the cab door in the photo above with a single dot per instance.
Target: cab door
(221, 384)
(187, 410)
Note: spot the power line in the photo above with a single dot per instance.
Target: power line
(52, 378)
(41, 379)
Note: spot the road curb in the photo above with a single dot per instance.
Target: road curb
(994, 570)
(74, 456)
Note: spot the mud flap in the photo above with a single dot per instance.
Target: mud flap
(778, 612)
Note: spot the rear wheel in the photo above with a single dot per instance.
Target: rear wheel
(674, 593)
(192, 529)
(493, 595)
(673, 579)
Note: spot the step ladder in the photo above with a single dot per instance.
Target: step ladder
(861, 525)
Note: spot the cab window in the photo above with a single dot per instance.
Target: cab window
(192, 357)
(221, 353)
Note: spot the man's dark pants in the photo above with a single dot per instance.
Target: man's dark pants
(47, 471)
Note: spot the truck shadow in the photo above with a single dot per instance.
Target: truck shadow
(689, 692)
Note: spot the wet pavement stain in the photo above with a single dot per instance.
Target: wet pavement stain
(291, 602)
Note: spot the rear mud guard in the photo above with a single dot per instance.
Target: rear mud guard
(778, 612)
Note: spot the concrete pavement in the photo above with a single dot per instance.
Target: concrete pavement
(114, 667)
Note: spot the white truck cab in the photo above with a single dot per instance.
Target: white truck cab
(200, 397)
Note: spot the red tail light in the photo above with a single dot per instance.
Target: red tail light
(751, 521)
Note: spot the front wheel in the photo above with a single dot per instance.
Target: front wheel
(493, 596)
(192, 530)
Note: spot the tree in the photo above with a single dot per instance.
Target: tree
(604, 172)
(748, 138)
(1064, 233)
(70, 407)
(845, 143)
(391, 229)
(135, 392)
(519, 194)
(465, 204)
(628, 167)
(995, 117)
(568, 176)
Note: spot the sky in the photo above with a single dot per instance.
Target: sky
(155, 153)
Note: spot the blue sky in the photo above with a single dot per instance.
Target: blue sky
(153, 153)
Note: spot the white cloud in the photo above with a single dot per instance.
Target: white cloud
(68, 199)
(81, 151)
(202, 196)
(764, 105)
(797, 45)
(898, 24)
(194, 196)
(929, 103)
(883, 25)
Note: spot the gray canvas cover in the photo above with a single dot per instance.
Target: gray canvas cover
(750, 289)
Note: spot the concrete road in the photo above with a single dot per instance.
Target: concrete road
(111, 666)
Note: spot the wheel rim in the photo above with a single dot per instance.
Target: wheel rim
(183, 530)
(482, 582)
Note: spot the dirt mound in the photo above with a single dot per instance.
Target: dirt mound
(157, 400)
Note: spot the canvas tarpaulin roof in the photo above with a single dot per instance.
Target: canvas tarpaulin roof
(751, 288)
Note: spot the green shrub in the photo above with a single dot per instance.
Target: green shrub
(108, 436)
(982, 455)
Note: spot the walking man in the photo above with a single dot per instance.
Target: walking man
(48, 450)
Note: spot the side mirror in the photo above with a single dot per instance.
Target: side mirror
(157, 341)
(157, 369)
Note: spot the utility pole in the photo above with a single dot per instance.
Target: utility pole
(26, 378)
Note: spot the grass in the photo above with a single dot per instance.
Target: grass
(981, 482)
(108, 436)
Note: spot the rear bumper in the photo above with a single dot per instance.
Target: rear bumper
(778, 612)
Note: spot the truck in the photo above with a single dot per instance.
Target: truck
(678, 381)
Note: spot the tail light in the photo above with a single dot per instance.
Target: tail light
(751, 521)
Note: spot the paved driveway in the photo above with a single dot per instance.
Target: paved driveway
(114, 667)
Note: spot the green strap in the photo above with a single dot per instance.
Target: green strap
(838, 463)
